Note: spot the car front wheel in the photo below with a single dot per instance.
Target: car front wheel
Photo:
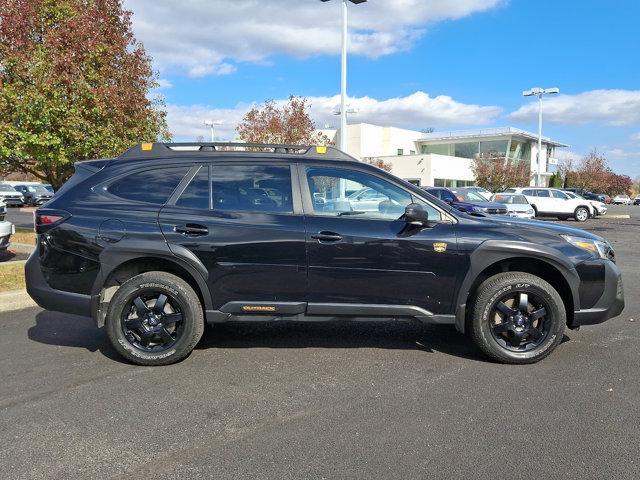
(581, 214)
(517, 318)
(155, 318)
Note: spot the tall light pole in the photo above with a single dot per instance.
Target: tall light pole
(539, 92)
(343, 76)
(212, 124)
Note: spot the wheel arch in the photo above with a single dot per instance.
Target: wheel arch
(118, 266)
(495, 257)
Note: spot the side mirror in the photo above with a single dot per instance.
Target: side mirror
(416, 215)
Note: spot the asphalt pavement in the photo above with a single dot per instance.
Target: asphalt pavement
(20, 217)
(351, 400)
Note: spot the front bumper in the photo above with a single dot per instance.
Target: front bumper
(13, 201)
(6, 230)
(609, 305)
(528, 216)
(49, 298)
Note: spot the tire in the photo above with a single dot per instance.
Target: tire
(535, 211)
(581, 214)
(170, 331)
(496, 339)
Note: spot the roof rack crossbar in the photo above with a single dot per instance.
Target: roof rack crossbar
(178, 149)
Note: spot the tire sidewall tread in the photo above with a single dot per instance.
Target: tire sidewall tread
(192, 314)
(490, 291)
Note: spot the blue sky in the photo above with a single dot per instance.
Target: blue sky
(415, 64)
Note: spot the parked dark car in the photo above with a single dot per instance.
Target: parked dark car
(10, 196)
(34, 195)
(467, 201)
(160, 240)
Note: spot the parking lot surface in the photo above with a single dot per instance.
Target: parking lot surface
(348, 400)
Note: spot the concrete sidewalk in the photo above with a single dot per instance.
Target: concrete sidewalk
(15, 300)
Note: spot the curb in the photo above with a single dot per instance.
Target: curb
(615, 216)
(21, 247)
(15, 300)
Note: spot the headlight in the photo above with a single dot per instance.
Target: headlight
(530, 211)
(601, 249)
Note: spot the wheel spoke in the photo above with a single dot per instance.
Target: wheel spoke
(171, 318)
(141, 306)
(165, 335)
(508, 311)
(145, 338)
(133, 324)
(514, 341)
(160, 303)
(535, 334)
(523, 305)
(500, 327)
(541, 312)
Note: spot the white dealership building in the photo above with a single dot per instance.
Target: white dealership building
(444, 158)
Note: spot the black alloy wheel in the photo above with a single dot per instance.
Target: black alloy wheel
(152, 321)
(519, 321)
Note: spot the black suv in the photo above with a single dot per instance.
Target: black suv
(166, 237)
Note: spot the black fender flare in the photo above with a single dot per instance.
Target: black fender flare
(116, 254)
(493, 251)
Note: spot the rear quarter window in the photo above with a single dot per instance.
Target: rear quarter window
(149, 186)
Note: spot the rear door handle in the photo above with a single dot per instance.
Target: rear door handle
(191, 229)
(325, 236)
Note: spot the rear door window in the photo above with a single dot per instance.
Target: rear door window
(251, 188)
(543, 193)
(149, 186)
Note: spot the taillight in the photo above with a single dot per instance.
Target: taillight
(44, 219)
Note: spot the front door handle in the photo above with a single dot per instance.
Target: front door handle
(325, 236)
(191, 229)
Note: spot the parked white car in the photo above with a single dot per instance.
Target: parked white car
(599, 208)
(621, 200)
(517, 205)
(551, 202)
(6, 228)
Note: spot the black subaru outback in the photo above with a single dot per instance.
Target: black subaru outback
(166, 237)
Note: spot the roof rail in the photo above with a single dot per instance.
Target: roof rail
(181, 149)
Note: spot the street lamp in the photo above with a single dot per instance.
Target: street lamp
(343, 79)
(539, 92)
(212, 124)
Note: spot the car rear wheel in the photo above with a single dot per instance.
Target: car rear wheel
(581, 214)
(517, 318)
(155, 318)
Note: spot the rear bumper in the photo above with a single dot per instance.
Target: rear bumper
(49, 298)
(609, 305)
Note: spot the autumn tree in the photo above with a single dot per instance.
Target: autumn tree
(592, 173)
(380, 163)
(496, 174)
(288, 123)
(74, 84)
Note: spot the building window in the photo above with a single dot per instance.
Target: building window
(493, 149)
(465, 150)
(412, 152)
(437, 148)
(400, 151)
(451, 183)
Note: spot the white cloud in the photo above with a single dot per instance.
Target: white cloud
(164, 83)
(203, 36)
(611, 107)
(417, 110)
(635, 137)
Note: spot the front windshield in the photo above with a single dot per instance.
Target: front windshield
(468, 196)
(37, 189)
(510, 199)
(7, 188)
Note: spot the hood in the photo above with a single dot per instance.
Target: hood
(528, 227)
